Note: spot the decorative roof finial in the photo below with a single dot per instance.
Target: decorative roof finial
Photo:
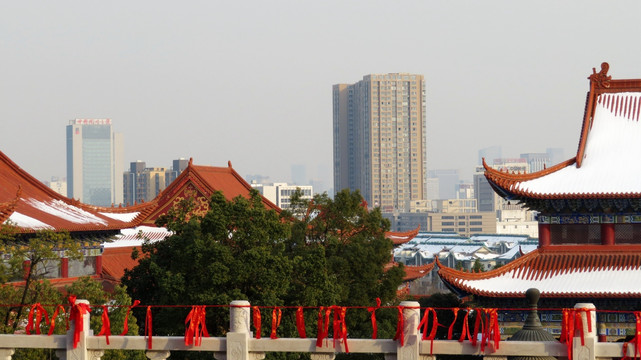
(191, 161)
(229, 163)
(601, 79)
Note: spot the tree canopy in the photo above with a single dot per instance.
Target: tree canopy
(324, 252)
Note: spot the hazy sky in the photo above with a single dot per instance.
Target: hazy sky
(251, 81)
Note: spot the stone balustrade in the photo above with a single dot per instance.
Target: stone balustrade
(239, 343)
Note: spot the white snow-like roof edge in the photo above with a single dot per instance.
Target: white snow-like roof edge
(610, 163)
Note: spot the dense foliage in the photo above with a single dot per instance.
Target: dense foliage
(41, 252)
(325, 252)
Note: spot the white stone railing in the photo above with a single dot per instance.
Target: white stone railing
(239, 343)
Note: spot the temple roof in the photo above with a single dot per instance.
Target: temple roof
(31, 205)
(417, 272)
(199, 183)
(557, 271)
(606, 165)
(399, 238)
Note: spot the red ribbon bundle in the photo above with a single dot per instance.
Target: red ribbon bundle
(491, 329)
(148, 327)
(373, 316)
(256, 320)
(126, 324)
(197, 328)
(323, 324)
(76, 314)
(300, 322)
(276, 315)
(52, 325)
(571, 321)
(400, 324)
(38, 311)
(340, 328)
(106, 324)
(636, 340)
(424, 324)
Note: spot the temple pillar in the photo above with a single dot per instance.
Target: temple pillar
(99, 265)
(64, 267)
(544, 235)
(607, 233)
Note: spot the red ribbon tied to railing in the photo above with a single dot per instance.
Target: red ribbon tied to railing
(373, 317)
(256, 319)
(76, 317)
(491, 330)
(424, 324)
(478, 324)
(195, 327)
(52, 325)
(451, 329)
(148, 327)
(276, 316)
(636, 339)
(400, 324)
(323, 324)
(125, 328)
(300, 322)
(38, 312)
(465, 332)
(571, 322)
(340, 328)
(106, 324)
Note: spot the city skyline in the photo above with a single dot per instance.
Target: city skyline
(251, 82)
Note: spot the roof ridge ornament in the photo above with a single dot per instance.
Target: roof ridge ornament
(601, 79)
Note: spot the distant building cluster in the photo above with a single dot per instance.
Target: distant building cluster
(142, 183)
(467, 253)
(379, 148)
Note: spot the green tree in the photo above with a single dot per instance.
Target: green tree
(118, 302)
(478, 266)
(234, 252)
(353, 253)
(334, 252)
(31, 258)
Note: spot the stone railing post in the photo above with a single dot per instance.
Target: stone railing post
(588, 322)
(80, 352)
(239, 333)
(412, 337)
(5, 354)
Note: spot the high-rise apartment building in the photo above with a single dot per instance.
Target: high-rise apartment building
(95, 162)
(379, 139)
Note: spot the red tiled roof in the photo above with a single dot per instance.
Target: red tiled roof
(417, 272)
(116, 260)
(412, 272)
(612, 271)
(57, 283)
(32, 205)
(26, 201)
(399, 238)
(199, 183)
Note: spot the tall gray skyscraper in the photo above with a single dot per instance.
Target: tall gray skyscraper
(95, 162)
(379, 139)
